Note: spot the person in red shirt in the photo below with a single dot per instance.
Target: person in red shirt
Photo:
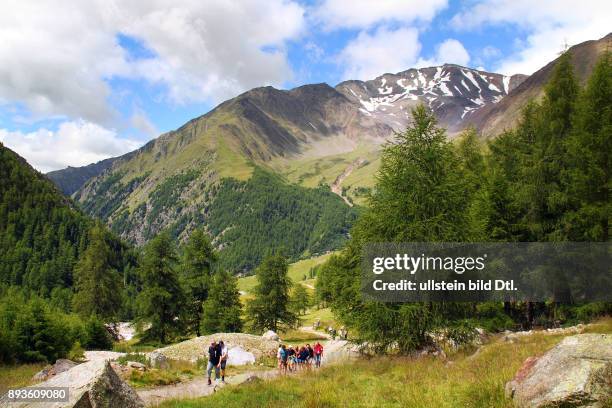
(318, 353)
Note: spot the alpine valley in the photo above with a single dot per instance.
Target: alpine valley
(288, 168)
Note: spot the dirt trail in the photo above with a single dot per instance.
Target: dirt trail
(336, 186)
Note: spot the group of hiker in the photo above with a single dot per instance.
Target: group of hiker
(296, 358)
(289, 358)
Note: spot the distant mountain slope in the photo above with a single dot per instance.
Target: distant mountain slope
(71, 179)
(178, 181)
(493, 119)
(452, 92)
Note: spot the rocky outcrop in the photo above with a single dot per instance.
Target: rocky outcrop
(197, 348)
(93, 385)
(575, 373)
(59, 367)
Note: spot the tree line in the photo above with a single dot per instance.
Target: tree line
(547, 180)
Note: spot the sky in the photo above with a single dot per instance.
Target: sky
(84, 80)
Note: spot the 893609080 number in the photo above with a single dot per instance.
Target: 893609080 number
(36, 394)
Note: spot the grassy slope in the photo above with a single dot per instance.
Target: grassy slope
(476, 381)
(312, 171)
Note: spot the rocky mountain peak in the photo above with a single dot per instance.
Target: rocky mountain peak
(453, 92)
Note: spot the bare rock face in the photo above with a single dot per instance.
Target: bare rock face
(59, 367)
(93, 385)
(576, 373)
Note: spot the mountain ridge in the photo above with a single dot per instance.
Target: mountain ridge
(314, 111)
(308, 135)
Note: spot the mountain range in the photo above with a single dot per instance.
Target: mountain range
(311, 138)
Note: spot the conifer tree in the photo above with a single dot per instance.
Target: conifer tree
(300, 299)
(222, 310)
(548, 199)
(588, 179)
(98, 285)
(161, 299)
(198, 259)
(420, 196)
(270, 308)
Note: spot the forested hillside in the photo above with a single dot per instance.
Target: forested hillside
(60, 272)
(42, 234)
(250, 218)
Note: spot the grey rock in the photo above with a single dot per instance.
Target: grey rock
(577, 372)
(93, 385)
(158, 360)
(270, 335)
(60, 366)
(136, 365)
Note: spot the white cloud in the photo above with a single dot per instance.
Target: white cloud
(75, 143)
(214, 49)
(550, 24)
(334, 14)
(371, 55)
(56, 56)
(450, 51)
(384, 51)
(140, 121)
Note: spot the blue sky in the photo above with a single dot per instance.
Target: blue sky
(84, 80)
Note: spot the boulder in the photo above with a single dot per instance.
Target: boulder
(238, 356)
(271, 335)
(137, 366)
(91, 384)
(577, 372)
(60, 366)
(158, 360)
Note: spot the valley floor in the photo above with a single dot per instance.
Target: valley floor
(465, 379)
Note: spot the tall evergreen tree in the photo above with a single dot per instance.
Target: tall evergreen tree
(97, 283)
(300, 299)
(270, 308)
(547, 199)
(161, 299)
(222, 310)
(198, 259)
(420, 196)
(473, 168)
(588, 179)
(420, 191)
